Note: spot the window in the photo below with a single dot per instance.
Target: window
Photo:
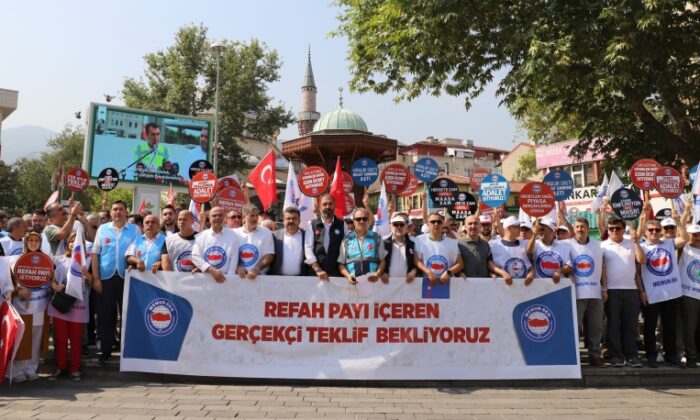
(576, 172)
(589, 172)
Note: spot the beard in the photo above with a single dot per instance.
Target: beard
(328, 212)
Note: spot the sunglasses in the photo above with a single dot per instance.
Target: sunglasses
(398, 225)
(614, 229)
(669, 227)
(234, 217)
(655, 230)
(361, 219)
(435, 222)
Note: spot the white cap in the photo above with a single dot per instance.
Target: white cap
(693, 229)
(668, 222)
(562, 227)
(397, 218)
(526, 224)
(485, 218)
(511, 221)
(546, 221)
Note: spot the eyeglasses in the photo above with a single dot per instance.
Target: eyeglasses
(435, 222)
(655, 230)
(361, 219)
(234, 217)
(398, 225)
(614, 228)
(669, 227)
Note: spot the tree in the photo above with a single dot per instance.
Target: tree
(182, 80)
(527, 166)
(8, 186)
(623, 75)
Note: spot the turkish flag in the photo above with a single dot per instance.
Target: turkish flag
(142, 207)
(263, 178)
(9, 337)
(337, 191)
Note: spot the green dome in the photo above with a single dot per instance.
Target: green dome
(341, 119)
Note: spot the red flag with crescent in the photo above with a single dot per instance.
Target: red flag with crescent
(264, 180)
(338, 191)
(9, 327)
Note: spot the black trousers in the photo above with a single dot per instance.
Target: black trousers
(109, 306)
(668, 310)
(623, 311)
(691, 326)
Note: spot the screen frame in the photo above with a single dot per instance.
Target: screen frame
(88, 158)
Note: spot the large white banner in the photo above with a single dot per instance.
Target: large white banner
(300, 327)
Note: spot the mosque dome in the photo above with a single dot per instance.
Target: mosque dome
(341, 120)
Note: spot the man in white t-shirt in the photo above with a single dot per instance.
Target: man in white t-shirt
(625, 291)
(257, 245)
(510, 253)
(588, 275)
(436, 255)
(663, 290)
(550, 257)
(215, 249)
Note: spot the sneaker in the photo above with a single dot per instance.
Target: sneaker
(652, 363)
(104, 357)
(676, 361)
(76, 377)
(20, 378)
(56, 374)
(634, 362)
(31, 377)
(617, 363)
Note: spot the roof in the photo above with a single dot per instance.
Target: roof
(309, 76)
(341, 119)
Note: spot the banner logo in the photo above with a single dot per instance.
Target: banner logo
(538, 323)
(216, 256)
(660, 262)
(160, 317)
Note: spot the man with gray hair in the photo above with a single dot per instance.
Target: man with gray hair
(61, 225)
(12, 243)
(257, 248)
(361, 252)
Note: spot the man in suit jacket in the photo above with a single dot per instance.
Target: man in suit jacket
(289, 246)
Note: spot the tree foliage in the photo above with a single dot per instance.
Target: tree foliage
(527, 166)
(26, 185)
(182, 80)
(621, 75)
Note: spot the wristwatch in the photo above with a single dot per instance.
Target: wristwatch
(449, 273)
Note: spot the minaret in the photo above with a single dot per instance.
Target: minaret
(308, 116)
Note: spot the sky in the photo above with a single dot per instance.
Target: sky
(62, 55)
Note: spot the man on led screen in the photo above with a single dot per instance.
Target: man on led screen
(152, 154)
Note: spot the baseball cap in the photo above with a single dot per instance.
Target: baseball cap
(397, 218)
(562, 227)
(485, 219)
(527, 225)
(511, 221)
(668, 222)
(694, 229)
(546, 221)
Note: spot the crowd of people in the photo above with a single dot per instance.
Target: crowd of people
(653, 269)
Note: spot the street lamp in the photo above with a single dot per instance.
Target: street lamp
(219, 48)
